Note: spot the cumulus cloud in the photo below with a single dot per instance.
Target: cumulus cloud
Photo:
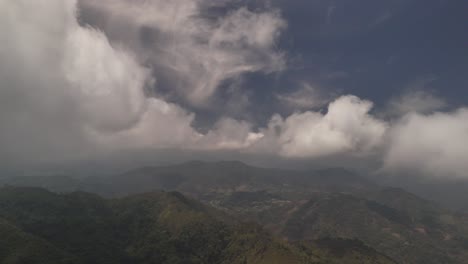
(63, 85)
(75, 91)
(432, 144)
(347, 127)
(70, 91)
(162, 125)
(230, 134)
(191, 51)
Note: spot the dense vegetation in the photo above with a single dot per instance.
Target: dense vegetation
(38, 226)
(327, 216)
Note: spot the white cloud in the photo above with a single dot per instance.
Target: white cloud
(230, 134)
(67, 92)
(347, 127)
(63, 87)
(192, 52)
(162, 125)
(434, 144)
(107, 83)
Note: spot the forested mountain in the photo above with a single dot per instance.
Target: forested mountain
(38, 226)
(311, 216)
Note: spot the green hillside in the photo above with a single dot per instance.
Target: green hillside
(18, 247)
(156, 227)
(302, 207)
(404, 235)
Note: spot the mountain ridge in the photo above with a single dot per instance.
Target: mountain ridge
(333, 203)
(155, 227)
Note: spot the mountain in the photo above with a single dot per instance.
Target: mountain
(451, 193)
(401, 235)
(333, 203)
(38, 226)
(307, 208)
(401, 225)
(198, 178)
(17, 246)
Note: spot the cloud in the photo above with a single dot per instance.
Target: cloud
(347, 127)
(68, 92)
(230, 134)
(418, 101)
(330, 11)
(65, 87)
(433, 144)
(162, 125)
(71, 92)
(191, 50)
(306, 97)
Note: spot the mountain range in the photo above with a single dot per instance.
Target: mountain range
(37, 226)
(323, 216)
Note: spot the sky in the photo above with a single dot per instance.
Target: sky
(372, 84)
